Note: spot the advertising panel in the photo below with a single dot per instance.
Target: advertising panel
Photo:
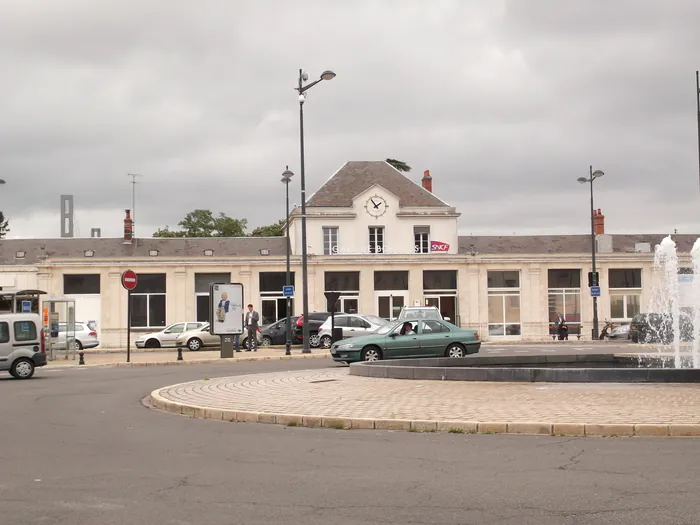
(226, 308)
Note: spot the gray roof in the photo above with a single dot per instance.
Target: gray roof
(170, 248)
(358, 176)
(563, 244)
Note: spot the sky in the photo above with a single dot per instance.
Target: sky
(506, 103)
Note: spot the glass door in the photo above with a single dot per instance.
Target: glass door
(446, 304)
(389, 306)
(346, 305)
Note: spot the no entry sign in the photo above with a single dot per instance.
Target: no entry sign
(129, 280)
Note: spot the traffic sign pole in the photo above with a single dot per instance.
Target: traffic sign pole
(129, 282)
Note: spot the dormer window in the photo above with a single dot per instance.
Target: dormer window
(208, 253)
(20, 255)
(153, 253)
(89, 253)
(421, 237)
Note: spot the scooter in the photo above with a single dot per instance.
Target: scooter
(606, 331)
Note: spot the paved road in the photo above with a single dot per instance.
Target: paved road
(78, 447)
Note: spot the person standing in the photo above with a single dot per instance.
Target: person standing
(251, 324)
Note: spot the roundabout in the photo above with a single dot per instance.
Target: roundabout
(334, 398)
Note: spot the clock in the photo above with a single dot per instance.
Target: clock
(376, 206)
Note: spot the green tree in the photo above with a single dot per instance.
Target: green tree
(3, 226)
(203, 223)
(271, 230)
(399, 165)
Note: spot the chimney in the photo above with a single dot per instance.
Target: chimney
(128, 228)
(598, 222)
(427, 181)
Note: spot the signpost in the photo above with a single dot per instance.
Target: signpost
(129, 282)
(595, 291)
(226, 314)
(288, 291)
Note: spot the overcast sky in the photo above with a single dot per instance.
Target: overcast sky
(505, 102)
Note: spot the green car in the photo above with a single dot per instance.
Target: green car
(408, 338)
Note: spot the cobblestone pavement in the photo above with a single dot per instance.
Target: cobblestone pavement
(333, 393)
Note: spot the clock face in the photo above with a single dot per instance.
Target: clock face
(376, 206)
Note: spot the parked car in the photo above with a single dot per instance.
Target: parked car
(85, 336)
(353, 325)
(276, 333)
(201, 337)
(620, 332)
(421, 312)
(428, 338)
(658, 328)
(166, 337)
(22, 344)
(316, 319)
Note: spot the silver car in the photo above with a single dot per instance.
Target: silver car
(85, 336)
(353, 325)
(201, 337)
(166, 337)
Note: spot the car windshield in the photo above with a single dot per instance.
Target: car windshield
(423, 313)
(388, 327)
(374, 319)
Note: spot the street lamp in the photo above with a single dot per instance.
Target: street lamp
(593, 175)
(286, 179)
(303, 77)
(2, 181)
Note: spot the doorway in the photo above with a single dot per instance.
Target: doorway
(273, 309)
(389, 306)
(346, 305)
(446, 304)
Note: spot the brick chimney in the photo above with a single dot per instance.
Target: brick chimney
(427, 181)
(598, 222)
(128, 228)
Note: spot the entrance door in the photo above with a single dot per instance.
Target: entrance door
(273, 309)
(389, 306)
(446, 304)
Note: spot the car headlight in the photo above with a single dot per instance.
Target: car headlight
(345, 346)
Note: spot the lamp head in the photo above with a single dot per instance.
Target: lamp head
(582, 180)
(286, 180)
(327, 75)
(597, 173)
(287, 174)
(2, 181)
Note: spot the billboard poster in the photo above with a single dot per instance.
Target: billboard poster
(226, 308)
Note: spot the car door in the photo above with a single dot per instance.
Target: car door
(167, 338)
(434, 337)
(398, 345)
(358, 326)
(5, 342)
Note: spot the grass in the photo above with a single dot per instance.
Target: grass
(338, 426)
(292, 424)
(456, 431)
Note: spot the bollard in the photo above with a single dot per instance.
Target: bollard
(82, 358)
(179, 353)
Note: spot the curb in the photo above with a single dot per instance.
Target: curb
(219, 360)
(456, 427)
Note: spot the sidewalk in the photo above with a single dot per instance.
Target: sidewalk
(169, 357)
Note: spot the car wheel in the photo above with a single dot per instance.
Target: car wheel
(266, 341)
(314, 340)
(194, 344)
(153, 343)
(76, 345)
(22, 368)
(454, 350)
(371, 353)
(326, 341)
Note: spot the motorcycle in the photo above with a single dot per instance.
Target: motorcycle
(606, 331)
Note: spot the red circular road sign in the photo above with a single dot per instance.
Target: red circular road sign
(129, 279)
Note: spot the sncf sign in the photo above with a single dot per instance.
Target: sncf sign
(437, 246)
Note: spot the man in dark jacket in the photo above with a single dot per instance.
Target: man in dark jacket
(251, 324)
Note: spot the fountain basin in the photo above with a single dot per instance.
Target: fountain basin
(576, 368)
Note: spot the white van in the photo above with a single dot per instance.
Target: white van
(22, 345)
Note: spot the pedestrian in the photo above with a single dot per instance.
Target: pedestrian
(563, 330)
(251, 324)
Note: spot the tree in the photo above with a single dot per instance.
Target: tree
(271, 230)
(399, 165)
(3, 226)
(203, 223)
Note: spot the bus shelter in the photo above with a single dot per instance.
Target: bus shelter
(59, 328)
(21, 301)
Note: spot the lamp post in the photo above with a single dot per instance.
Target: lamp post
(303, 77)
(593, 175)
(697, 92)
(286, 179)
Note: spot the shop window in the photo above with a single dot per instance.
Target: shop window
(625, 287)
(81, 284)
(148, 301)
(504, 303)
(391, 280)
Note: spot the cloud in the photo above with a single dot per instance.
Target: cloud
(506, 102)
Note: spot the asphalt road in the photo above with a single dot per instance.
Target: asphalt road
(78, 447)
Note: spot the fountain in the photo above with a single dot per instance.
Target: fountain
(669, 321)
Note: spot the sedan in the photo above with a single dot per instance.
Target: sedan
(276, 333)
(409, 338)
(352, 325)
(166, 336)
(201, 337)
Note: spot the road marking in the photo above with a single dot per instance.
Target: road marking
(522, 351)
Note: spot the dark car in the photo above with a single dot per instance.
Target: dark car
(276, 333)
(658, 328)
(316, 319)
